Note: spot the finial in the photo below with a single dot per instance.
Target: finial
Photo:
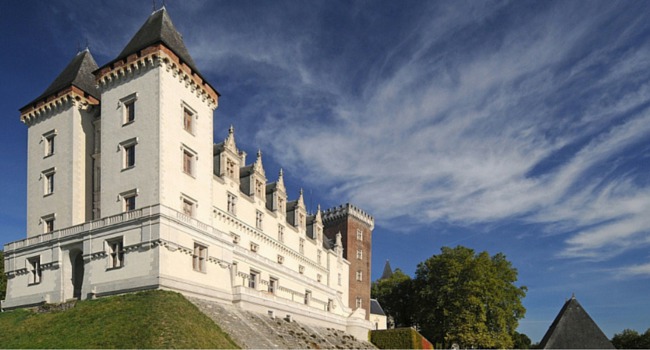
(301, 192)
(318, 208)
(259, 153)
(281, 173)
(231, 130)
(573, 295)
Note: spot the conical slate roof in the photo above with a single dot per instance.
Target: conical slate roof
(388, 272)
(574, 329)
(159, 29)
(78, 73)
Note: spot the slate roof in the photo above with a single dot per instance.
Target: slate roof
(78, 73)
(573, 328)
(375, 308)
(388, 272)
(159, 28)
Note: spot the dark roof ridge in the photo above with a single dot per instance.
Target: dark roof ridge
(79, 72)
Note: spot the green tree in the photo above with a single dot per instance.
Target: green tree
(395, 294)
(631, 339)
(3, 277)
(521, 341)
(469, 299)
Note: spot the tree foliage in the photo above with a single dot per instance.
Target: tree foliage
(395, 294)
(3, 277)
(631, 339)
(458, 297)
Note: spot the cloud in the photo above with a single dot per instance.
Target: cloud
(635, 270)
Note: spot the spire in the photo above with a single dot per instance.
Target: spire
(229, 142)
(301, 200)
(159, 29)
(388, 272)
(257, 166)
(280, 182)
(77, 73)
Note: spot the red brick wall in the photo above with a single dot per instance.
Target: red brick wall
(348, 227)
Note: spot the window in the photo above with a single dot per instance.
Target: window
(200, 254)
(49, 183)
(301, 248)
(359, 254)
(115, 253)
(129, 111)
(280, 233)
(128, 153)
(359, 235)
(359, 301)
(34, 266)
(359, 276)
(129, 156)
(187, 205)
(232, 203)
(48, 223)
(230, 168)
(273, 285)
(307, 297)
(318, 257)
(252, 279)
(259, 188)
(258, 219)
(129, 201)
(188, 124)
(188, 162)
(48, 138)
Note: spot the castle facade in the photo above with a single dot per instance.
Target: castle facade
(127, 191)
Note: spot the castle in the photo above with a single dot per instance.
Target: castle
(127, 191)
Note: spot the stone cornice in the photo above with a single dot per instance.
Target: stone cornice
(61, 99)
(158, 55)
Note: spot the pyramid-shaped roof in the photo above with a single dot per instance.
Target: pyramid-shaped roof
(573, 328)
(79, 72)
(159, 29)
(388, 272)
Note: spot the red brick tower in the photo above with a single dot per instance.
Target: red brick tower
(356, 228)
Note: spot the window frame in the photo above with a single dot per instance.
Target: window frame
(359, 276)
(128, 199)
(199, 257)
(232, 204)
(186, 200)
(128, 105)
(35, 270)
(359, 235)
(359, 302)
(259, 219)
(188, 154)
(273, 285)
(115, 248)
(128, 153)
(253, 279)
(48, 223)
(49, 143)
(188, 111)
(48, 181)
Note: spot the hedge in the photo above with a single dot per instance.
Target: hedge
(399, 338)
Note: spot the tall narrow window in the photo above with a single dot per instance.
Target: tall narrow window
(252, 280)
(49, 183)
(273, 285)
(258, 219)
(129, 111)
(359, 235)
(115, 253)
(49, 143)
(187, 121)
(34, 265)
(359, 275)
(232, 204)
(188, 163)
(307, 297)
(359, 301)
(199, 256)
(359, 254)
(129, 156)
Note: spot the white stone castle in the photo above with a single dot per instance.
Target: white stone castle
(127, 191)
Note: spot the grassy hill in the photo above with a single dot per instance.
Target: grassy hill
(152, 319)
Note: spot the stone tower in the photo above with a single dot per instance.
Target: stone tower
(356, 228)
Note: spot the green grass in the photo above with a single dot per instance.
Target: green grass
(152, 319)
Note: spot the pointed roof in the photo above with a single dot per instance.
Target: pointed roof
(159, 29)
(573, 328)
(388, 272)
(77, 73)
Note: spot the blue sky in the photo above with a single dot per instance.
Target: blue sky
(517, 127)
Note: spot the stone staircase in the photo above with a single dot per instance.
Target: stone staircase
(256, 331)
